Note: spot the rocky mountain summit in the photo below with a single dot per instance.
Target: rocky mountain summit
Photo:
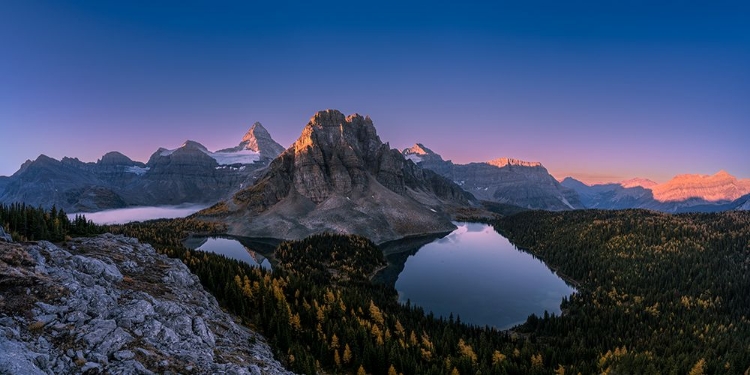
(259, 140)
(340, 177)
(187, 174)
(503, 180)
(110, 304)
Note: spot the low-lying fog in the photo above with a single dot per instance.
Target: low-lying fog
(126, 215)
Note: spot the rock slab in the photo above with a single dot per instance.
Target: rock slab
(110, 304)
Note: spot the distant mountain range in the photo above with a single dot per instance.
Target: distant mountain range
(520, 183)
(338, 165)
(187, 174)
(683, 193)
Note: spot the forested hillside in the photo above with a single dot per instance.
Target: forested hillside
(659, 293)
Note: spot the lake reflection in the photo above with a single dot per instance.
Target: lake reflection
(231, 248)
(477, 274)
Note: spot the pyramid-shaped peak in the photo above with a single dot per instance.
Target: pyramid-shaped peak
(419, 149)
(259, 140)
(256, 131)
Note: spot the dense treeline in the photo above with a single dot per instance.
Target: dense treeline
(660, 293)
(28, 223)
(320, 311)
(657, 294)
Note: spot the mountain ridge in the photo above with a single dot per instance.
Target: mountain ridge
(187, 174)
(339, 177)
(682, 193)
(502, 180)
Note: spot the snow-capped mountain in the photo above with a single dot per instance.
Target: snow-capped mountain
(257, 140)
(187, 174)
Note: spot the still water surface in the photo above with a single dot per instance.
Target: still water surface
(231, 248)
(477, 274)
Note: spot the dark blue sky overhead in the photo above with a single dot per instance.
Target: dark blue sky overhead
(600, 90)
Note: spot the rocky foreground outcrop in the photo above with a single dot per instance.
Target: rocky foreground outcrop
(110, 304)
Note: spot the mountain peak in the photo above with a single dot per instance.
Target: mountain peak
(188, 144)
(331, 129)
(638, 181)
(504, 162)
(419, 153)
(115, 158)
(419, 149)
(258, 139)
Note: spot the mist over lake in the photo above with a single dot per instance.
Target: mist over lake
(126, 215)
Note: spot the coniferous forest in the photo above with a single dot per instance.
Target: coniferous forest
(28, 223)
(657, 294)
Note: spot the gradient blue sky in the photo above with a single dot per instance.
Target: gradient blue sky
(600, 90)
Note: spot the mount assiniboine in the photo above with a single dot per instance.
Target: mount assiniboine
(504, 180)
(340, 177)
(187, 174)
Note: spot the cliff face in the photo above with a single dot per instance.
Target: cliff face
(340, 177)
(112, 305)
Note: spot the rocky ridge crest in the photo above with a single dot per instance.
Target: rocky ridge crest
(110, 304)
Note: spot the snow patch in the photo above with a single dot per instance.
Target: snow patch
(137, 170)
(237, 157)
(565, 201)
(167, 152)
(416, 159)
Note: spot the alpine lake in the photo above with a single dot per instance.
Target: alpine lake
(473, 274)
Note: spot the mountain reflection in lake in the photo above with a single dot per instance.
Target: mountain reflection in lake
(477, 274)
(254, 252)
